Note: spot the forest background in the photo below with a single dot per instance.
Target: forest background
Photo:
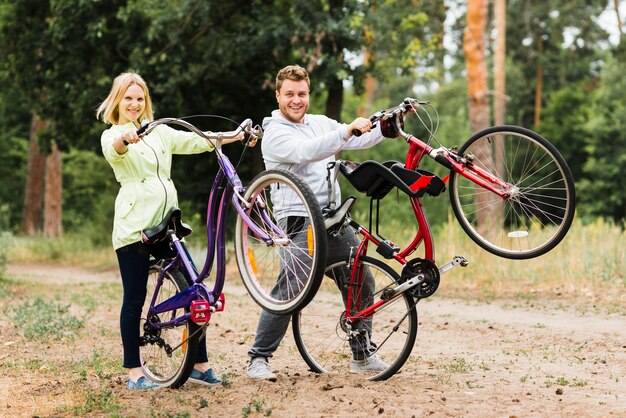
(563, 69)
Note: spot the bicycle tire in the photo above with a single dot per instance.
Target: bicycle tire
(281, 278)
(322, 337)
(168, 370)
(541, 208)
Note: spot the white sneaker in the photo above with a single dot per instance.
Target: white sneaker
(259, 368)
(369, 364)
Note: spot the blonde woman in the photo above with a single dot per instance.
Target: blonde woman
(142, 166)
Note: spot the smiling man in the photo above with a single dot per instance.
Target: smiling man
(304, 144)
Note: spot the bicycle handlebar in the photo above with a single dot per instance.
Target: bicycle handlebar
(396, 112)
(246, 126)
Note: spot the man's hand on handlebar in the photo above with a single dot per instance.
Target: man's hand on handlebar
(360, 125)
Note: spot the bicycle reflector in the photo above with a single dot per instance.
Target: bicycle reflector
(310, 240)
(252, 261)
(200, 311)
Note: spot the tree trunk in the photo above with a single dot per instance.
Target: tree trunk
(499, 75)
(539, 86)
(477, 91)
(371, 85)
(474, 48)
(334, 102)
(499, 56)
(54, 187)
(619, 20)
(33, 194)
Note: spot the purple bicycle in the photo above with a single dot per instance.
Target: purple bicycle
(281, 275)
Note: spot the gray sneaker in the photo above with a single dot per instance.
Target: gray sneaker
(259, 368)
(369, 364)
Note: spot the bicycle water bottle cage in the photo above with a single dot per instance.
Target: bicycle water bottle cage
(171, 221)
(376, 179)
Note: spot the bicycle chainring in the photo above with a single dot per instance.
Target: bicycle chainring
(431, 277)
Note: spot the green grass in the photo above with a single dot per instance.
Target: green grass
(41, 320)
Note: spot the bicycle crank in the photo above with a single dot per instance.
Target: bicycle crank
(429, 273)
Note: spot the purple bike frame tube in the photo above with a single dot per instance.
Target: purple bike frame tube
(258, 232)
(231, 173)
(173, 323)
(181, 257)
(269, 222)
(159, 284)
(178, 301)
(212, 205)
(220, 247)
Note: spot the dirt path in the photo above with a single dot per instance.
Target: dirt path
(487, 360)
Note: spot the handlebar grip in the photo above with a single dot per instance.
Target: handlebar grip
(142, 129)
(356, 132)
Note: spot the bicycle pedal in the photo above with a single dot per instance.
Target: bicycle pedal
(457, 260)
(200, 311)
(220, 303)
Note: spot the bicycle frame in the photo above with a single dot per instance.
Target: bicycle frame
(416, 151)
(226, 186)
(512, 194)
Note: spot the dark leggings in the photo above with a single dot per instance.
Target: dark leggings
(134, 262)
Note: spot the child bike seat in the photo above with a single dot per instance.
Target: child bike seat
(376, 179)
(171, 221)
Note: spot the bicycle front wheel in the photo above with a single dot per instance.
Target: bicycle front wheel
(167, 354)
(328, 344)
(539, 210)
(282, 274)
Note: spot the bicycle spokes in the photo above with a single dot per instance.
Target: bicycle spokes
(536, 203)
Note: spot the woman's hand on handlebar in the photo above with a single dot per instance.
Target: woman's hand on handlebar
(121, 143)
(242, 136)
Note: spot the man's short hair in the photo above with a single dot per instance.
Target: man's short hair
(291, 72)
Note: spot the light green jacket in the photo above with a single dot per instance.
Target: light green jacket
(147, 191)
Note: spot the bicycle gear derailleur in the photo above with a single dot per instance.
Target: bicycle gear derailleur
(431, 277)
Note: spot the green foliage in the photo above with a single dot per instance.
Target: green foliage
(220, 58)
(602, 189)
(89, 194)
(405, 38)
(557, 36)
(563, 124)
(42, 319)
(100, 400)
(5, 242)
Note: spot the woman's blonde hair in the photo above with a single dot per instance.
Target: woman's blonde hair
(109, 111)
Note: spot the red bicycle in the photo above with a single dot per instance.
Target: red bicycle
(511, 191)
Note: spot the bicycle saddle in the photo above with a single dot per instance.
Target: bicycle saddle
(171, 221)
(334, 218)
(376, 179)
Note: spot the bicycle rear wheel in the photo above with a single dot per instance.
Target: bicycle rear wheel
(540, 209)
(323, 338)
(167, 354)
(283, 275)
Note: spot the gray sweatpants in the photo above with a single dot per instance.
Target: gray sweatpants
(272, 328)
